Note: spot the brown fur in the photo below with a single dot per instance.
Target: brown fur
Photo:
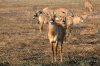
(48, 11)
(69, 24)
(88, 5)
(56, 34)
(77, 20)
(71, 21)
(58, 12)
(84, 15)
(43, 19)
(61, 12)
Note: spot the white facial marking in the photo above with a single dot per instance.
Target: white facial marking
(51, 21)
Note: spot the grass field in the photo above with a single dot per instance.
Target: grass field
(21, 44)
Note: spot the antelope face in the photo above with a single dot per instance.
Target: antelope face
(52, 21)
(37, 14)
(63, 24)
(61, 21)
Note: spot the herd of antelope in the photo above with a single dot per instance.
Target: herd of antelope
(60, 22)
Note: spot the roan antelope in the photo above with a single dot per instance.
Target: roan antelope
(88, 5)
(72, 21)
(56, 34)
(43, 19)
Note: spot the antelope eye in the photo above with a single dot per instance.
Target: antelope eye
(51, 20)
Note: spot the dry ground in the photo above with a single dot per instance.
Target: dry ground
(21, 44)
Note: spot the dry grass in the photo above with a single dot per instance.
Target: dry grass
(89, 31)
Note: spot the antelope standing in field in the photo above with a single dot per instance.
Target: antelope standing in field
(43, 19)
(56, 34)
(88, 5)
(72, 21)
